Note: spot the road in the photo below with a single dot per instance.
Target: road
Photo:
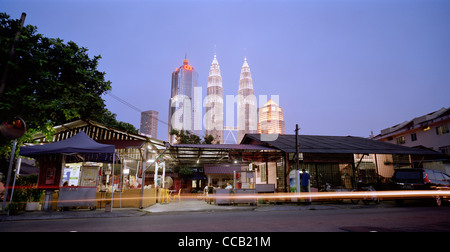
(394, 218)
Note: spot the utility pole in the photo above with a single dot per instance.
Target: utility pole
(11, 53)
(297, 147)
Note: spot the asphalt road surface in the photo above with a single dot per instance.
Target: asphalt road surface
(377, 219)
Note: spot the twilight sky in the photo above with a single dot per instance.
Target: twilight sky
(339, 67)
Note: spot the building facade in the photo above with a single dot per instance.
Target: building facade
(184, 105)
(149, 123)
(429, 131)
(214, 103)
(340, 161)
(247, 119)
(271, 120)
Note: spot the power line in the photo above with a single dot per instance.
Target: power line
(130, 105)
(125, 102)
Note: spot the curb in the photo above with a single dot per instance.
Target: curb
(73, 214)
(167, 209)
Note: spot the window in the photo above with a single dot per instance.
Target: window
(263, 172)
(443, 129)
(413, 137)
(401, 140)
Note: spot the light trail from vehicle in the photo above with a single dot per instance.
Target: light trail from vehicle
(284, 197)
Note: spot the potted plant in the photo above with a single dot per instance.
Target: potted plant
(32, 194)
(33, 199)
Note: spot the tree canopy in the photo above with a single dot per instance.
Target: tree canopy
(187, 137)
(49, 82)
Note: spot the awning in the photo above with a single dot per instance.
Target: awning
(221, 169)
(80, 144)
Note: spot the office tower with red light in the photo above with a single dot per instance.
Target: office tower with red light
(185, 104)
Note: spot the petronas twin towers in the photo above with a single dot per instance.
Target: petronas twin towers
(247, 119)
(246, 103)
(214, 103)
(185, 108)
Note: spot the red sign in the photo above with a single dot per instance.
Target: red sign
(187, 67)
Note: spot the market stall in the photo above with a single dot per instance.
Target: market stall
(52, 158)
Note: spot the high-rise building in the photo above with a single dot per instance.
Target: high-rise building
(214, 103)
(246, 108)
(149, 123)
(184, 105)
(271, 119)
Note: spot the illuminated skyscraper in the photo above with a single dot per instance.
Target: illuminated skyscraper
(214, 103)
(184, 110)
(271, 119)
(149, 123)
(246, 107)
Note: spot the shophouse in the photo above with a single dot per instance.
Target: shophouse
(428, 131)
(343, 161)
(118, 179)
(340, 161)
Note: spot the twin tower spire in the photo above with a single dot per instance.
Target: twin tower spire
(246, 103)
(185, 107)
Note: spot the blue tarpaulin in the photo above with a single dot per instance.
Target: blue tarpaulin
(80, 144)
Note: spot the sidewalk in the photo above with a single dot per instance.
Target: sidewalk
(194, 205)
(72, 214)
(189, 205)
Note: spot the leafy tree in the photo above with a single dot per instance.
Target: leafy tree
(49, 82)
(208, 139)
(187, 137)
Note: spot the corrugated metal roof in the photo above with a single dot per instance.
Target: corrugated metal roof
(214, 153)
(225, 146)
(335, 144)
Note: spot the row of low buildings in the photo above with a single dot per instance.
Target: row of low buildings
(430, 131)
(260, 159)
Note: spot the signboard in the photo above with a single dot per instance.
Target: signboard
(89, 176)
(71, 174)
(50, 169)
